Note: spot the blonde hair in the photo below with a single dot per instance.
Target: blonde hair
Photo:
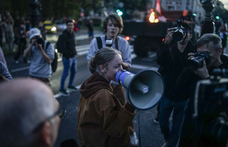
(102, 57)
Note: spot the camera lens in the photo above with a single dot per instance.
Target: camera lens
(39, 40)
(177, 35)
(195, 62)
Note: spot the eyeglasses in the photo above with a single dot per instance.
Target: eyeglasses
(60, 113)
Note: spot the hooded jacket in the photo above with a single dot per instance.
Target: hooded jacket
(102, 120)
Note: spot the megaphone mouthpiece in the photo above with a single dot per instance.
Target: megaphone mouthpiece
(140, 87)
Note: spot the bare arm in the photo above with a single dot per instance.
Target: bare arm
(28, 51)
(44, 55)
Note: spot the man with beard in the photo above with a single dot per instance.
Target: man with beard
(172, 57)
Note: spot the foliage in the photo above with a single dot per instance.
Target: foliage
(50, 8)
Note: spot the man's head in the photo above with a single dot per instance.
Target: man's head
(114, 20)
(212, 44)
(70, 25)
(28, 115)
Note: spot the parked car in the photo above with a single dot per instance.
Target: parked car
(61, 24)
(50, 27)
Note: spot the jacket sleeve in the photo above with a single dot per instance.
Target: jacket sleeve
(115, 118)
(63, 45)
(164, 55)
(126, 52)
(5, 72)
(93, 48)
(50, 51)
(185, 82)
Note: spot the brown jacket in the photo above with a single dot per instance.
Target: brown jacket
(102, 120)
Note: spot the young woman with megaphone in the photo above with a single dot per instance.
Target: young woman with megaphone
(102, 120)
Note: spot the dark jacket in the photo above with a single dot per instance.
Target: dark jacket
(172, 62)
(68, 45)
(102, 120)
(185, 88)
(20, 35)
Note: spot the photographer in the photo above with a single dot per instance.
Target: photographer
(172, 57)
(209, 48)
(41, 56)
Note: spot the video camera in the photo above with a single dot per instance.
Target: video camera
(178, 31)
(197, 61)
(210, 110)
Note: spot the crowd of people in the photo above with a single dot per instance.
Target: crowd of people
(105, 117)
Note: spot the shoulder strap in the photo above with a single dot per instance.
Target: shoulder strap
(99, 43)
(47, 44)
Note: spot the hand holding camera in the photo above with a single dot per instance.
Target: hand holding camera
(179, 31)
(38, 41)
(169, 36)
(197, 63)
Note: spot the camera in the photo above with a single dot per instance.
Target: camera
(197, 61)
(210, 111)
(108, 42)
(39, 40)
(178, 31)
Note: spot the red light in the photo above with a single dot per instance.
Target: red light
(127, 38)
(163, 39)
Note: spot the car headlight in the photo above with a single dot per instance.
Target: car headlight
(53, 29)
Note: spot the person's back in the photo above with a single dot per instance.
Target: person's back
(26, 114)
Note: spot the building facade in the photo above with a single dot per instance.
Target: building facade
(180, 5)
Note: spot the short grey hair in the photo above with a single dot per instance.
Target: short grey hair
(210, 37)
(22, 110)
